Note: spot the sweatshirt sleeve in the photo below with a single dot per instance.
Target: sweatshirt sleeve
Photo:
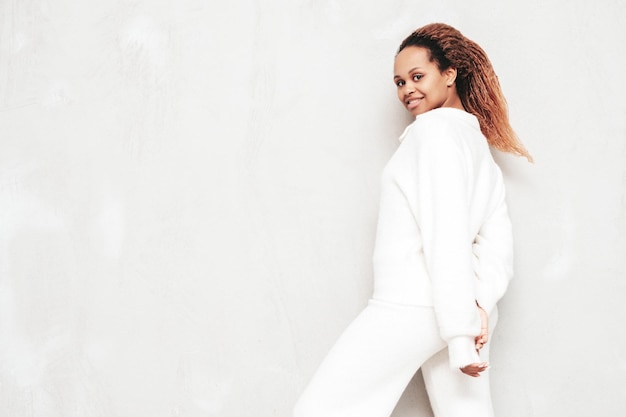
(441, 209)
(493, 258)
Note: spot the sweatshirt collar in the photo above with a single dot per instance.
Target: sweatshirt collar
(462, 113)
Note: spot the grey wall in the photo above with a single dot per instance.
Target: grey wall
(189, 189)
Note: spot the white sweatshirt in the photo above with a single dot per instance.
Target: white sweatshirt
(444, 236)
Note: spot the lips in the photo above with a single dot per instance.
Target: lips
(413, 102)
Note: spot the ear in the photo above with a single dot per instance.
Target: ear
(450, 75)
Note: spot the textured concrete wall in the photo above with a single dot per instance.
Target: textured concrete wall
(189, 189)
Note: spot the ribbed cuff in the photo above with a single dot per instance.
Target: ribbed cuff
(462, 352)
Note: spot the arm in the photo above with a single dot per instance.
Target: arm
(493, 266)
(442, 212)
(493, 258)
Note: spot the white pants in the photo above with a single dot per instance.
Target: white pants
(369, 367)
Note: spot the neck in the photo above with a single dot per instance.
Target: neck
(453, 100)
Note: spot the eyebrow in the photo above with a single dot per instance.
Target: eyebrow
(410, 71)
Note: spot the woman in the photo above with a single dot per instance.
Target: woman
(443, 254)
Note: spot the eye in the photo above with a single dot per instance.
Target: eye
(400, 83)
(417, 77)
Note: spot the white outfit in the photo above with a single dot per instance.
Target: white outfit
(443, 243)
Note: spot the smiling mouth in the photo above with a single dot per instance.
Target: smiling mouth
(413, 102)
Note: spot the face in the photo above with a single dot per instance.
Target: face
(421, 86)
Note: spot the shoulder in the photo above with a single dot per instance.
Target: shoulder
(430, 122)
(445, 129)
(441, 129)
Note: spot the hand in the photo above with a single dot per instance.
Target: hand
(474, 369)
(482, 339)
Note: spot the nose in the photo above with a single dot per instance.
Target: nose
(409, 88)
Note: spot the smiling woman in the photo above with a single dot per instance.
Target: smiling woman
(444, 245)
(450, 61)
(421, 85)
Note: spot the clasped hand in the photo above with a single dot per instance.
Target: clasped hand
(474, 369)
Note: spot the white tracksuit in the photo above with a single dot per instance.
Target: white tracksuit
(443, 243)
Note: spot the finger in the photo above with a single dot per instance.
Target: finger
(475, 374)
(480, 342)
(470, 373)
(474, 369)
(477, 367)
